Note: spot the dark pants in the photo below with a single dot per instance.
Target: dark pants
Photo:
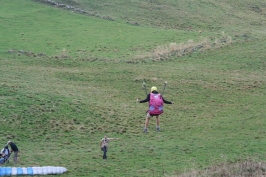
(104, 149)
(15, 156)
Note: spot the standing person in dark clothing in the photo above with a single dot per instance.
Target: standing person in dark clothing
(156, 102)
(104, 145)
(14, 149)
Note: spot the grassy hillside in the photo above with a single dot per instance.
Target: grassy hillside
(64, 85)
(190, 15)
(57, 33)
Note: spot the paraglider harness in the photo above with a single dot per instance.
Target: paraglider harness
(156, 101)
(155, 104)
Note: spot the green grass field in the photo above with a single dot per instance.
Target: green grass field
(67, 79)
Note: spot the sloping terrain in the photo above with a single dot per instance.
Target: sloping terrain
(69, 78)
(189, 15)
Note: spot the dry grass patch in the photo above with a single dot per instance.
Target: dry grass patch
(189, 47)
(241, 169)
(164, 52)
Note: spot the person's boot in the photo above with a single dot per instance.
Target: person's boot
(145, 130)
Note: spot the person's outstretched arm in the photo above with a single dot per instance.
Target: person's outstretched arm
(167, 102)
(146, 100)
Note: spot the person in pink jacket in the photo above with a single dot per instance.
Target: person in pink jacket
(156, 102)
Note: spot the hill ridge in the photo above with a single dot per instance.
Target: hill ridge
(74, 9)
